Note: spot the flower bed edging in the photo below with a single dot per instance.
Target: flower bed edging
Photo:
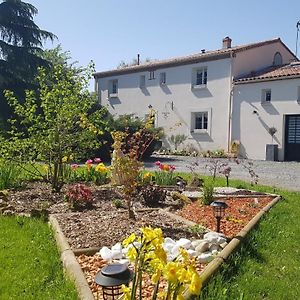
(70, 263)
(213, 266)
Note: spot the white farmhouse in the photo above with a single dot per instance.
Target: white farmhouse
(213, 97)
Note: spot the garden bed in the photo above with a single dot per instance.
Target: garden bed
(104, 224)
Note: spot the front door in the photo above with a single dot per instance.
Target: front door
(292, 137)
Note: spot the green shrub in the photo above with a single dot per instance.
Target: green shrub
(208, 193)
(9, 175)
(118, 203)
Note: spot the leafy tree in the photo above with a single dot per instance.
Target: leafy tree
(134, 62)
(21, 42)
(53, 123)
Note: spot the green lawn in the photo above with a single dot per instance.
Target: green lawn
(30, 267)
(267, 266)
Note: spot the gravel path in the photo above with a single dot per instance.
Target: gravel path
(284, 175)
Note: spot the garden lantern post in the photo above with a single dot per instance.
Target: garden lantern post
(219, 211)
(111, 278)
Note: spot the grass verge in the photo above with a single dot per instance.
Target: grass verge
(30, 267)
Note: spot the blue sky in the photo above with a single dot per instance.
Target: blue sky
(109, 31)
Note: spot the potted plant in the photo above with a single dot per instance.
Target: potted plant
(272, 149)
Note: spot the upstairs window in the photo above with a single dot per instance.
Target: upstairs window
(277, 60)
(199, 78)
(162, 78)
(113, 88)
(151, 75)
(266, 96)
(142, 81)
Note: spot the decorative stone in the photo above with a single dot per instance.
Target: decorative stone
(223, 245)
(205, 257)
(192, 252)
(106, 253)
(184, 243)
(214, 247)
(215, 237)
(202, 247)
(195, 243)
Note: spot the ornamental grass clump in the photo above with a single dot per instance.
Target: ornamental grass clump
(165, 174)
(171, 279)
(79, 196)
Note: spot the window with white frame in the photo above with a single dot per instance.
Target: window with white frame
(162, 78)
(151, 75)
(113, 88)
(142, 81)
(199, 121)
(266, 96)
(199, 78)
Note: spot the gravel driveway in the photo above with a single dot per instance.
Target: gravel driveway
(284, 175)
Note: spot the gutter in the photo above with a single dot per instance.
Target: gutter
(229, 133)
(254, 80)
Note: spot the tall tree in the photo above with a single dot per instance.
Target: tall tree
(21, 42)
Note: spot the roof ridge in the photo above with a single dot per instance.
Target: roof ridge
(178, 60)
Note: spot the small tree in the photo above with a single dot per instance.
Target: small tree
(52, 124)
(125, 170)
(272, 131)
(177, 139)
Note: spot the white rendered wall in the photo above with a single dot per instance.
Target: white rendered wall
(175, 101)
(252, 129)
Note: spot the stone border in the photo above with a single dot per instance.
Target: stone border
(70, 263)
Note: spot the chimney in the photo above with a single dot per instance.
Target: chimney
(202, 50)
(226, 42)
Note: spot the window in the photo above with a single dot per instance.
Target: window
(298, 95)
(113, 88)
(277, 60)
(266, 96)
(151, 75)
(200, 78)
(162, 79)
(142, 81)
(199, 122)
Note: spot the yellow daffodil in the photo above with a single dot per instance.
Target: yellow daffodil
(129, 240)
(64, 159)
(170, 271)
(131, 254)
(101, 168)
(147, 176)
(156, 276)
(126, 291)
(196, 284)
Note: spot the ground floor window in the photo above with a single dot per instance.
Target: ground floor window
(200, 121)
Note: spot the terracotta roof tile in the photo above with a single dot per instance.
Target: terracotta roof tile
(272, 73)
(198, 57)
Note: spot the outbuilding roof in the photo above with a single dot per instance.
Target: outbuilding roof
(291, 70)
(190, 59)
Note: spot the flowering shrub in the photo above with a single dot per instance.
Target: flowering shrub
(79, 195)
(96, 171)
(165, 175)
(148, 256)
